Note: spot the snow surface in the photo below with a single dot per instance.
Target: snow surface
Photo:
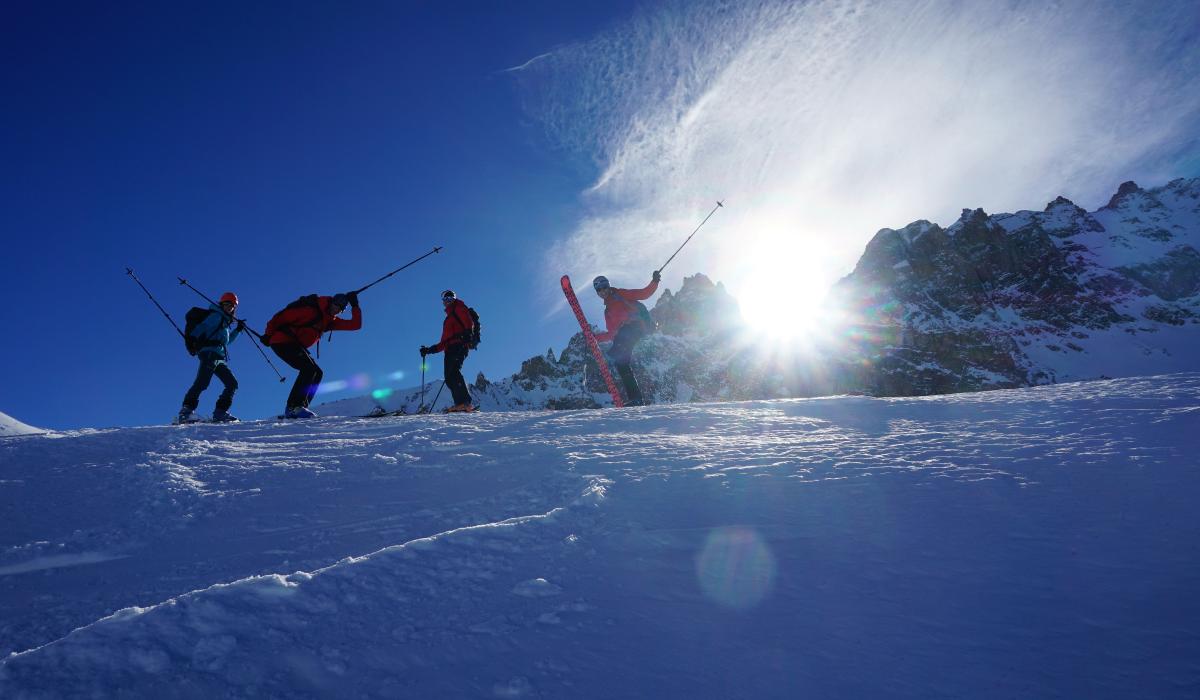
(10, 427)
(1028, 543)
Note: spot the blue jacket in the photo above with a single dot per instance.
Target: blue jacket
(215, 330)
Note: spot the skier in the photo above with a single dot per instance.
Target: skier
(295, 329)
(456, 341)
(212, 337)
(627, 321)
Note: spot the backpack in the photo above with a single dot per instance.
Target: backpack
(641, 313)
(309, 301)
(473, 340)
(194, 317)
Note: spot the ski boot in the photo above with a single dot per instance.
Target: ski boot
(461, 408)
(224, 417)
(186, 415)
(299, 412)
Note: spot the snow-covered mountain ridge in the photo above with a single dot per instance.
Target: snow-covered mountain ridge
(1017, 543)
(993, 301)
(1032, 297)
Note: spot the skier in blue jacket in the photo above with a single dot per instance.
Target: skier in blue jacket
(213, 337)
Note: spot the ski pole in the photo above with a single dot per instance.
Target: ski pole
(254, 336)
(668, 262)
(436, 249)
(436, 396)
(129, 271)
(422, 382)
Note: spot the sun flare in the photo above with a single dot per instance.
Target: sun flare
(784, 286)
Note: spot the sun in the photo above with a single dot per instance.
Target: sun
(783, 287)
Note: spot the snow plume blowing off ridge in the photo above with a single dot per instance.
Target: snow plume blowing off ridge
(821, 122)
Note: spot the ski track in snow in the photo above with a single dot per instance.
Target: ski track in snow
(1037, 542)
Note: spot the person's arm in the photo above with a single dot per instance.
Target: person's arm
(607, 335)
(237, 330)
(640, 294)
(351, 324)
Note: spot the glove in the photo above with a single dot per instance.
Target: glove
(241, 325)
(424, 351)
(353, 297)
(657, 275)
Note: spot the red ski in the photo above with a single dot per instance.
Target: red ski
(591, 341)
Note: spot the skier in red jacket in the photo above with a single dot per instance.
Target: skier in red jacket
(456, 342)
(626, 321)
(295, 329)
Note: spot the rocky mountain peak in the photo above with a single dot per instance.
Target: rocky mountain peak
(1124, 191)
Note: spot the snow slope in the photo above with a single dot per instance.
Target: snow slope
(10, 426)
(1022, 543)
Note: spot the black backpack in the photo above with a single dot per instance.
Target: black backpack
(194, 317)
(473, 340)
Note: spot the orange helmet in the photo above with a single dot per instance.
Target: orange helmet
(230, 297)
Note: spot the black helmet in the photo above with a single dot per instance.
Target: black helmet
(449, 295)
(600, 282)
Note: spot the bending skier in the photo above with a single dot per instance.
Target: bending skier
(295, 329)
(212, 338)
(457, 333)
(627, 321)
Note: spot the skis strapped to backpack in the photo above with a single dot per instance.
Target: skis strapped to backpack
(591, 341)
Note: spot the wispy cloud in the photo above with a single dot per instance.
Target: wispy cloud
(821, 122)
(523, 66)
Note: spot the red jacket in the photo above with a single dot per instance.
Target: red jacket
(619, 308)
(456, 326)
(304, 325)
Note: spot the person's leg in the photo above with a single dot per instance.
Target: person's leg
(225, 400)
(621, 354)
(314, 382)
(455, 356)
(203, 377)
(632, 391)
(309, 376)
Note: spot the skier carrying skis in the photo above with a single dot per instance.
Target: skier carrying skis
(627, 321)
(295, 329)
(456, 341)
(212, 337)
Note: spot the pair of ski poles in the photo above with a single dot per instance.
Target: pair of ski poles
(256, 337)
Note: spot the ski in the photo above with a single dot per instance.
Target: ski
(591, 341)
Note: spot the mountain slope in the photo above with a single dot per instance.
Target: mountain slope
(10, 426)
(975, 544)
(1032, 297)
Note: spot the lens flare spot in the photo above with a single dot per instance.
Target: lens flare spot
(360, 381)
(333, 386)
(396, 376)
(380, 394)
(735, 568)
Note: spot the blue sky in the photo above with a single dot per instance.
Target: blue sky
(274, 150)
(278, 149)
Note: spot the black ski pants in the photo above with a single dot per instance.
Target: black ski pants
(456, 355)
(305, 387)
(621, 354)
(210, 364)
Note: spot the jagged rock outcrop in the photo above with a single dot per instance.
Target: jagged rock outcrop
(1031, 297)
